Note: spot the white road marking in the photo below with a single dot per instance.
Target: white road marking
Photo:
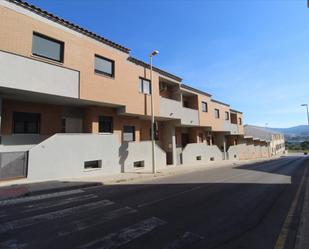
(125, 235)
(105, 217)
(38, 197)
(70, 200)
(184, 241)
(25, 222)
(189, 190)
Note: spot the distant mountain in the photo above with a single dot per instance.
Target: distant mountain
(296, 134)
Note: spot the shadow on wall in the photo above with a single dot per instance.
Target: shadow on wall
(123, 155)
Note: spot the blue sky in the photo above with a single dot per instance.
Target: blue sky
(251, 54)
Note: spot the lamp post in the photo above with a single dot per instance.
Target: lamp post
(152, 54)
(306, 105)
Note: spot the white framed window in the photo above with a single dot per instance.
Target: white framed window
(144, 86)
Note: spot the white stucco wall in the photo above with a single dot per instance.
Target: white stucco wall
(234, 152)
(44, 77)
(174, 109)
(63, 155)
(194, 150)
(20, 142)
(142, 151)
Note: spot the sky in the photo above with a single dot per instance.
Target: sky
(251, 54)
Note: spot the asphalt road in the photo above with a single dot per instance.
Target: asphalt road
(253, 206)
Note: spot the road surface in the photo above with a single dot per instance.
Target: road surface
(253, 206)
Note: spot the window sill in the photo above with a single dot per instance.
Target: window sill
(105, 75)
(148, 94)
(49, 61)
(93, 169)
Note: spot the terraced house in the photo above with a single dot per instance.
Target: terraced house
(74, 103)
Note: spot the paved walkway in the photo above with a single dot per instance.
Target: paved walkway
(22, 187)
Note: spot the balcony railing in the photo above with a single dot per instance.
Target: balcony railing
(28, 74)
(170, 108)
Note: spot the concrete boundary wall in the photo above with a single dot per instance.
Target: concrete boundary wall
(64, 155)
(234, 152)
(20, 142)
(133, 152)
(198, 153)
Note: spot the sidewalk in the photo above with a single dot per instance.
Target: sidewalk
(24, 187)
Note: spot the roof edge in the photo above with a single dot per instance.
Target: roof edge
(158, 70)
(195, 90)
(233, 110)
(219, 102)
(68, 24)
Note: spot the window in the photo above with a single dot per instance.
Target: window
(28, 123)
(227, 116)
(105, 124)
(47, 47)
(144, 86)
(128, 133)
(217, 113)
(204, 107)
(95, 164)
(104, 66)
(240, 121)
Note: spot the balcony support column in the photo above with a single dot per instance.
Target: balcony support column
(224, 148)
(173, 133)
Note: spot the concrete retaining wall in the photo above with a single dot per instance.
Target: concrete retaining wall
(234, 152)
(196, 154)
(142, 151)
(20, 142)
(64, 155)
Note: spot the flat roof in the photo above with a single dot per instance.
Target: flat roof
(144, 64)
(195, 90)
(219, 102)
(233, 110)
(68, 24)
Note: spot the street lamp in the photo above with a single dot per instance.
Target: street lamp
(152, 54)
(307, 111)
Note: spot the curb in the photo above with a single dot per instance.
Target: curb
(51, 190)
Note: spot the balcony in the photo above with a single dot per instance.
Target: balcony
(232, 128)
(27, 74)
(173, 109)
